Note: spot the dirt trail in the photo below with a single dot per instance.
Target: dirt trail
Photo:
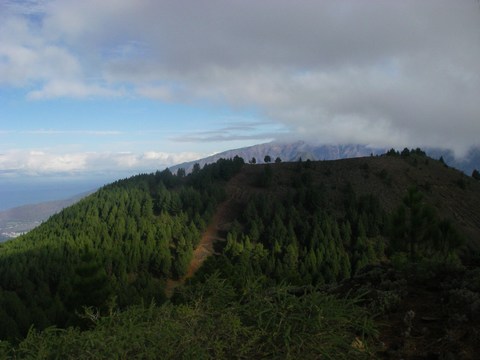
(224, 215)
(203, 250)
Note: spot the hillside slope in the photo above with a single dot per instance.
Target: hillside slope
(452, 194)
(285, 236)
(24, 218)
(426, 308)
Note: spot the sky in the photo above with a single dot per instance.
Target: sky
(127, 86)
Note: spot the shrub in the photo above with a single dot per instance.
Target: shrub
(213, 321)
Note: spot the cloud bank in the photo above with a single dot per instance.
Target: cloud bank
(32, 163)
(376, 72)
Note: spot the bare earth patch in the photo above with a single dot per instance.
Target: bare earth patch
(203, 250)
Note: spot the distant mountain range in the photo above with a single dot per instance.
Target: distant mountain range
(16, 221)
(19, 220)
(287, 152)
(302, 150)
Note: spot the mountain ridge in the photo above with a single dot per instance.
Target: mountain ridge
(21, 219)
(287, 152)
(306, 151)
(329, 230)
(13, 221)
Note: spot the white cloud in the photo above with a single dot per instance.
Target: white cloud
(74, 132)
(72, 89)
(31, 58)
(43, 162)
(35, 162)
(372, 72)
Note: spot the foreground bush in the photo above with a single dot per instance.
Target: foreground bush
(214, 322)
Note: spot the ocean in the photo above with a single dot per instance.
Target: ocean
(24, 191)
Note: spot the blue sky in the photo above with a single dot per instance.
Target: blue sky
(124, 86)
(124, 136)
(119, 124)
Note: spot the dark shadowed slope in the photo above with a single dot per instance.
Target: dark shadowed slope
(453, 194)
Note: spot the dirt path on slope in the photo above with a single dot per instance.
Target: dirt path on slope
(216, 230)
(204, 249)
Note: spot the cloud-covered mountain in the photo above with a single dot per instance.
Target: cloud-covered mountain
(287, 152)
(301, 149)
(467, 163)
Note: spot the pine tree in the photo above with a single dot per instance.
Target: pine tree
(413, 223)
(476, 174)
(90, 286)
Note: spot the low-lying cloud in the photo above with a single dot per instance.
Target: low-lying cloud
(18, 162)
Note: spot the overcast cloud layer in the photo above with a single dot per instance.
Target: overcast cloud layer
(374, 72)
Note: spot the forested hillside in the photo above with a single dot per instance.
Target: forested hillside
(118, 246)
(22, 219)
(292, 271)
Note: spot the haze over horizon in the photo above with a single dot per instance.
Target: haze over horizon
(121, 87)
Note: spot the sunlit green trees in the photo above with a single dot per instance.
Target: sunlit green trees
(137, 232)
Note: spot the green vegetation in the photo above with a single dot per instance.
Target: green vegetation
(416, 228)
(118, 246)
(407, 152)
(295, 241)
(308, 258)
(215, 322)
